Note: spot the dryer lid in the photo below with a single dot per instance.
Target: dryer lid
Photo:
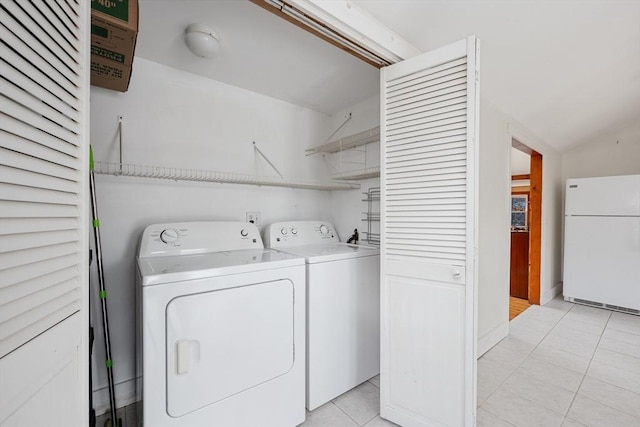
(159, 270)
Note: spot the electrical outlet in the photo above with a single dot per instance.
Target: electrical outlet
(254, 218)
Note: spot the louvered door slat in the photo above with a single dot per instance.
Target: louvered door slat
(34, 135)
(62, 34)
(51, 31)
(46, 47)
(16, 143)
(12, 75)
(35, 120)
(35, 254)
(411, 78)
(38, 284)
(32, 301)
(11, 209)
(15, 331)
(443, 80)
(33, 271)
(10, 226)
(21, 193)
(20, 161)
(70, 29)
(427, 106)
(426, 117)
(13, 35)
(35, 179)
(37, 106)
(435, 92)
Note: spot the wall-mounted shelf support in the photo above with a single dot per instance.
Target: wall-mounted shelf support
(255, 147)
(181, 174)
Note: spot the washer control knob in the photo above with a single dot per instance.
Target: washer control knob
(169, 235)
(324, 230)
(244, 233)
(294, 230)
(283, 231)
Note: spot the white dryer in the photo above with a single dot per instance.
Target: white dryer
(222, 331)
(343, 306)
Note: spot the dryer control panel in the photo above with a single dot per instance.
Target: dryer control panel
(187, 238)
(296, 233)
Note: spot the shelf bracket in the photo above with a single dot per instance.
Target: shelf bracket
(120, 125)
(255, 147)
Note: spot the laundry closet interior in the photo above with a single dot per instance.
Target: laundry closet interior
(276, 107)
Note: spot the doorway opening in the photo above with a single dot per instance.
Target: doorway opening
(526, 227)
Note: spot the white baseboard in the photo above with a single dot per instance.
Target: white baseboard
(125, 395)
(493, 337)
(551, 293)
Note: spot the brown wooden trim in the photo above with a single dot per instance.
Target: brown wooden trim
(535, 227)
(524, 189)
(273, 9)
(519, 177)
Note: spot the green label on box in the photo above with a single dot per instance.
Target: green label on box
(105, 53)
(117, 8)
(99, 31)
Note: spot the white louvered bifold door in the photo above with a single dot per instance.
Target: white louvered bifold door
(44, 84)
(429, 201)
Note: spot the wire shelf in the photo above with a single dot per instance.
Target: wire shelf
(352, 141)
(181, 174)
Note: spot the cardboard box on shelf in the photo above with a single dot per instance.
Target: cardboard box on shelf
(114, 29)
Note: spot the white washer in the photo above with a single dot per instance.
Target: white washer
(222, 327)
(343, 306)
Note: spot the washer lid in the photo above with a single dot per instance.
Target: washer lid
(332, 251)
(159, 270)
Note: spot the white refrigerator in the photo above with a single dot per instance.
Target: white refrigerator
(602, 242)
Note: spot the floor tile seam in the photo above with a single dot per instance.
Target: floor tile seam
(609, 382)
(368, 421)
(573, 338)
(507, 377)
(588, 367)
(350, 417)
(625, 331)
(608, 406)
(533, 402)
(495, 415)
(616, 352)
(524, 372)
(569, 326)
(570, 352)
(620, 341)
(561, 366)
(369, 381)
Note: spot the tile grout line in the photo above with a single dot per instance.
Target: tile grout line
(518, 367)
(527, 356)
(587, 371)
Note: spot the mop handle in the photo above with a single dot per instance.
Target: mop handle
(103, 291)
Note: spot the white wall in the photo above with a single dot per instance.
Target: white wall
(493, 234)
(615, 154)
(172, 118)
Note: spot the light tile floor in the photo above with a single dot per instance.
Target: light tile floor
(561, 365)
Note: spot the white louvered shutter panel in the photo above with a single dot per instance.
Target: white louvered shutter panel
(43, 181)
(429, 133)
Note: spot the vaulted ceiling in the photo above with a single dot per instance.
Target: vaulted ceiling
(567, 70)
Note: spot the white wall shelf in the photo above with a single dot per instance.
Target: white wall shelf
(181, 174)
(358, 174)
(351, 141)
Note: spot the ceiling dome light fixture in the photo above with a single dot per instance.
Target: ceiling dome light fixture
(202, 40)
